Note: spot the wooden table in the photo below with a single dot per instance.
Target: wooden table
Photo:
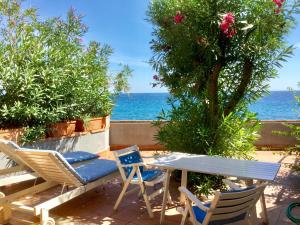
(243, 169)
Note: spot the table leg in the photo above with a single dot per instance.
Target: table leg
(165, 197)
(264, 209)
(183, 184)
(253, 217)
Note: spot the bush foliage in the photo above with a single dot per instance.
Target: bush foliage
(47, 72)
(216, 57)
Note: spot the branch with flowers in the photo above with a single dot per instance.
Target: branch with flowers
(220, 54)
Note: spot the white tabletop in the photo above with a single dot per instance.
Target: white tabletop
(247, 169)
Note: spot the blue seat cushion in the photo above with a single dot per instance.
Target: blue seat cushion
(95, 169)
(130, 158)
(200, 214)
(148, 175)
(79, 156)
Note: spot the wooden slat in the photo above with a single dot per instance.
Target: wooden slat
(232, 209)
(58, 171)
(12, 170)
(242, 194)
(35, 189)
(228, 215)
(73, 193)
(234, 201)
(16, 179)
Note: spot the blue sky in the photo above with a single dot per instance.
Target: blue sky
(122, 25)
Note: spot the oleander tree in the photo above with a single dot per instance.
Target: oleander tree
(216, 57)
(219, 54)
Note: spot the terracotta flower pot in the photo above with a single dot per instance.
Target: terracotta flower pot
(93, 124)
(11, 134)
(66, 128)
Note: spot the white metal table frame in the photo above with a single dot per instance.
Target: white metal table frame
(243, 169)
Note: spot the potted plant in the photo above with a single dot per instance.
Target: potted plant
(65, 128)
(61, 79)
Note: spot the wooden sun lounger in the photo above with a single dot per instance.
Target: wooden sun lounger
(17, 173)
(21, 172)
(52, 167)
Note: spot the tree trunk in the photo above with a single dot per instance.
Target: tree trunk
(241, 89)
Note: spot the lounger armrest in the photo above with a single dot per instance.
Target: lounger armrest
(193, 198)
(133, 165)
(232, 185)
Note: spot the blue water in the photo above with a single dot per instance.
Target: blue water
(279, 105)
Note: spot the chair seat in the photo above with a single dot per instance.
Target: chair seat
(96, 169)
(200, 215)
(79, 156)
(148, 175)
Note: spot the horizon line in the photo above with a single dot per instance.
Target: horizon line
(169, 92)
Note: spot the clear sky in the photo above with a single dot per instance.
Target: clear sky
(122, 25)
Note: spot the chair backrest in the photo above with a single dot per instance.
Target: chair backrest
(127, 156)
(51, 166)
(227, 205)
(9, 148)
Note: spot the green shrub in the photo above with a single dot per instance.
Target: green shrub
(48, 74)
(295, 132)
(216, 57)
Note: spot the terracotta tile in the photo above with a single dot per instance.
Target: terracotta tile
(96, 206)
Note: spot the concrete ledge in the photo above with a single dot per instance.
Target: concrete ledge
(124, 133)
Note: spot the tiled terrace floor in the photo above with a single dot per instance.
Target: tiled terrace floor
(95, 207)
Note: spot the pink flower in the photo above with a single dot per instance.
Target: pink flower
(155, 77)
(229, 18)
(277, 11)
(279, 2)
(230, 33)
(178, 18)
(224, 26)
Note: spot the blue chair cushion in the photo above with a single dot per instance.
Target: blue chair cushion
(148, 175)
(79, 156)
(133, 157)
(200, 215)
(95, 169)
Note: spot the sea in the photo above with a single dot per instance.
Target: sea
(277, 105)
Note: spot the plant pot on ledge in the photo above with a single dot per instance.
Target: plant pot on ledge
(66, 128)
(11, 134)
(92, 125)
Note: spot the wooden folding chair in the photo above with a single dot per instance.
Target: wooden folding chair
(55, 170)
(133, 171)
(226, 207)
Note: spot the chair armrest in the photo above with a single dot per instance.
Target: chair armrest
(149, 157)
(193, 198)
(232, 185)
(133, 164)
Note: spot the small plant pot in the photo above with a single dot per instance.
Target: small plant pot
(66, 128)
(11, 134)
(93, 124)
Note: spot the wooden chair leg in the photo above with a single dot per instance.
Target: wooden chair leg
(143, 190)
(124, 189)
(45, 219)
(169, 198)
(5, 214)
(146, 199)
(184, 216)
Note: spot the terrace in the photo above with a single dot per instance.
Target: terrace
(67, 157)
(96, 206)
